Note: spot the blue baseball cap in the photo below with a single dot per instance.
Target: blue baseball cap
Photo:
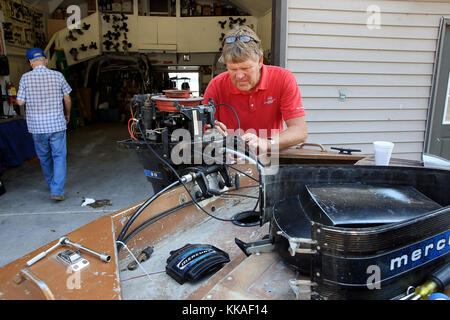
(34, 53)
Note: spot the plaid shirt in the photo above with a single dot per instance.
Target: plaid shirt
(43, 90)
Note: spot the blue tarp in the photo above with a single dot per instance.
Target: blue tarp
(16, 143)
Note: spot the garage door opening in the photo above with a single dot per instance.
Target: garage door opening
(186, 81)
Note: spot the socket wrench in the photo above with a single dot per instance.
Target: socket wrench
(65, 241)
(102, 256)
(43, 254)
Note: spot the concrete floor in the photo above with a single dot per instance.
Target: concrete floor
(96, 168)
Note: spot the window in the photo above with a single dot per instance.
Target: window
(446, 118)
(186, 81)
(157, 7)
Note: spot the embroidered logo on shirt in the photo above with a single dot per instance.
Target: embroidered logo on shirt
(270, 100)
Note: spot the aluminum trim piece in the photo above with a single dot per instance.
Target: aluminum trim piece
(41, 284)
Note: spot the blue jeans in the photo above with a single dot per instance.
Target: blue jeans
(51, 150)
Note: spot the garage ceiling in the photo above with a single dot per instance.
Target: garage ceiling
(256, 8)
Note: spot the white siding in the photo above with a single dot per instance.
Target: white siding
(385, 73)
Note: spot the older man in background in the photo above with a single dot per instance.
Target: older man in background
(45, 93)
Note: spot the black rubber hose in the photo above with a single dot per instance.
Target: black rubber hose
(153, 219)
(141, 208)
(177, 175)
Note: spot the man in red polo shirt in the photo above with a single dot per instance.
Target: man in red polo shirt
(262, 96)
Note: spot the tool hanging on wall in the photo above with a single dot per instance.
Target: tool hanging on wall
(223, 23)
(108, 44)
(108, 35)
(71, 37)
(113, 36)
(126, 44)
(116, 35)
(115, 19)
(74, 53)
(124, 27)
(21, 23)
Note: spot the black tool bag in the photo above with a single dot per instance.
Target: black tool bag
(4, 65)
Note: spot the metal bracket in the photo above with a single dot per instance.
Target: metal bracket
(295, 286)
(72, 259)
(294, 244)
(265, 245)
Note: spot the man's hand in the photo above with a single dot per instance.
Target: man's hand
(67, 116)
(220, 127)
(256, 144)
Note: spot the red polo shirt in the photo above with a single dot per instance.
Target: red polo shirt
(275, 98)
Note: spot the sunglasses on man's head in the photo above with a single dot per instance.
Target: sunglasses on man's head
(242, 38)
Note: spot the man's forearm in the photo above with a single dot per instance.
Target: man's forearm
(290, 137)
(67, 106)
(295, 133)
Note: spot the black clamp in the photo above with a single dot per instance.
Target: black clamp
(345, 151)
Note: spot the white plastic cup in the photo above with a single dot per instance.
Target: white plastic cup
(383, 151)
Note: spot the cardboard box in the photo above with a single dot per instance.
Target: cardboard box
(116, 7)
(127, 6)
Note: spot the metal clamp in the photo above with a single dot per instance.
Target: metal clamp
(265, 245)
(294, 244)
(72, 259)
(295, 286)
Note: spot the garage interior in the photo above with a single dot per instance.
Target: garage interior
(289, 224)
(122, 48)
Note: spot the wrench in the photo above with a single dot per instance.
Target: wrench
(102, 256)
(65, 241)
(43, 254)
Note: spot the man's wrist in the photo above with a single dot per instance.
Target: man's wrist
(271, 143)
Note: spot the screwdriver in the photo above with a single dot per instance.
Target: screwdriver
(437, 280)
